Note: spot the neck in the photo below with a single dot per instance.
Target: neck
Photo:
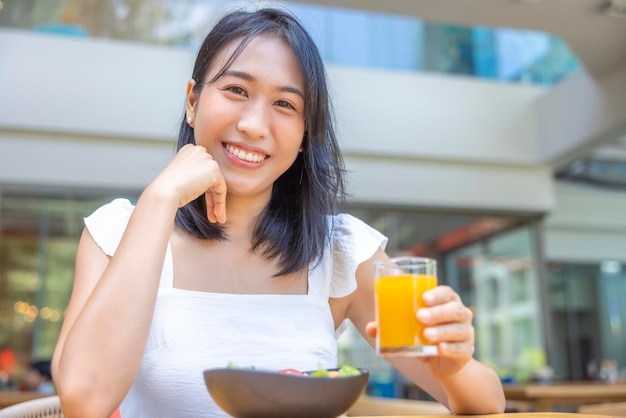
(242, 214)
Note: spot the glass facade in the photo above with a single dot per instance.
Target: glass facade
(500, 279)
(345, 37)
(587, 307)
(38, 240)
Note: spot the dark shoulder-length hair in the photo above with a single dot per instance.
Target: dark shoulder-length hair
(295, 226)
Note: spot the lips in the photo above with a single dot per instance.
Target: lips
(248, 156)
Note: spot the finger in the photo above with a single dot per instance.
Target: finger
(440, 294)
(219, 212)
(215, 199)
(210, 207)
(371, 329)
(457, 332)
(219, 199)
(448, 313)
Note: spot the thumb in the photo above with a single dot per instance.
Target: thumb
(371, 329)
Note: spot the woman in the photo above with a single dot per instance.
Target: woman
(233, 252)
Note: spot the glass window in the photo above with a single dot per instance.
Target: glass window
(38, 240)
(588, 310)
(504, 293)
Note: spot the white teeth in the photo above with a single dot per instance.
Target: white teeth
(245, 156)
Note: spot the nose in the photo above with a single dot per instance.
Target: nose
(255, 120)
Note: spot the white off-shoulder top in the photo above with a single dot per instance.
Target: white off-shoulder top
(192, 331)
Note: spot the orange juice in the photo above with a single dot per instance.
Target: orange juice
(397, 300)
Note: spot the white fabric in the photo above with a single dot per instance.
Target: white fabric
(193, 331)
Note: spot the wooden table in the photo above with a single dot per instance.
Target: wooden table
(507, 415)
(12, 397)
(545, 396)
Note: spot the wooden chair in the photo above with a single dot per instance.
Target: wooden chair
(378, 406)
(614, 409)
(46, 407)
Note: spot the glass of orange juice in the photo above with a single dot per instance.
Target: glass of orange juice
(400, 284)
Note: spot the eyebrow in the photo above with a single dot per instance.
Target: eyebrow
(250, 77)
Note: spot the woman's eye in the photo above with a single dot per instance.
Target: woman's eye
(285, 103)
(237, 90)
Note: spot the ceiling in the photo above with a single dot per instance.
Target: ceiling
(593, 29)
(597, 37)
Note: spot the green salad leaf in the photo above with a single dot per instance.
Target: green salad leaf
(321, 372)
(232, 365)
(347, 370)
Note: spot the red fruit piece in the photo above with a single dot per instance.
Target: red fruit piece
(290, 371)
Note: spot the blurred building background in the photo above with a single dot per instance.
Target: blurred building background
(489, 134)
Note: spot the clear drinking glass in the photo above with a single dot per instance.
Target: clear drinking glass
(400, 284)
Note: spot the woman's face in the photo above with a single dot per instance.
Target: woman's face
(251, 119)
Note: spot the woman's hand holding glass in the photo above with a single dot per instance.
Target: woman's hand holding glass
(449, 326)
(191, 173)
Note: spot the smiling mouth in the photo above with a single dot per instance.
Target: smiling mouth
(251, 157)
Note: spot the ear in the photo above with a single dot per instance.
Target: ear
(302, 143)
(190, 103)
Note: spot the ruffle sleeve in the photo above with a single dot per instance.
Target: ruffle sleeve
(108, 223)
(354, 242)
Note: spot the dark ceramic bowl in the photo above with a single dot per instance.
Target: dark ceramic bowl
(262, 394)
